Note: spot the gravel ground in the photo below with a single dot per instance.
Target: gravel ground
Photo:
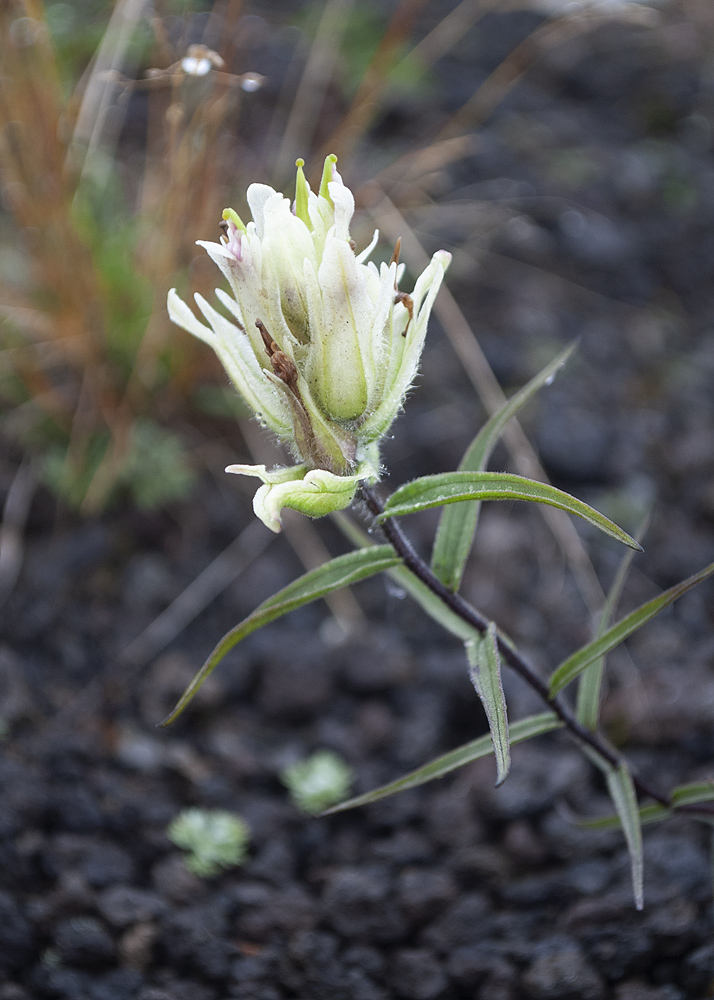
(596, 175)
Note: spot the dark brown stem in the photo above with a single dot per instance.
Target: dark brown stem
(455, 602)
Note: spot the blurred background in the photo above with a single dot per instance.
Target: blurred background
(563, 152)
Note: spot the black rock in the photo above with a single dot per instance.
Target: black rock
(119, 984)
(424, 892)
(470, 965)
(123, 905)
(107, 864)
(465, 922)
(561, 972)
(358, 905)
(698, 969)
(17, 938)
(195, 941)
(84, 941)
(417, 974)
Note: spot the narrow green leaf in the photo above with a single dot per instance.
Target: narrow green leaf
(589, 688)
(452, 487)
(458, 523)
(651, 813)
(689, 795)
(569, 669)
(622, 791)
(485, 673)
(340, 572)
(526, 729)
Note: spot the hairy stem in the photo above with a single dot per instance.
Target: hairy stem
(455, 602)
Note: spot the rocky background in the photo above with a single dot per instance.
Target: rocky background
(585, 208)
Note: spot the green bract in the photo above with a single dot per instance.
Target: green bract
(322, 346)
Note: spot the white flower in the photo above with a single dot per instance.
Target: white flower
(321, 345)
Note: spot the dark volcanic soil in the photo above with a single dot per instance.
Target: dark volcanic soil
(598, 180)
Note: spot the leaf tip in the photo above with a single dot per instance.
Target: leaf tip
(171, 717)
(339, 807)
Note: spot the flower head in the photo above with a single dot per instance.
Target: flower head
(321, 345)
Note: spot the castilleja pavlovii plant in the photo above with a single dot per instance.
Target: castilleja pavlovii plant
(322, 345)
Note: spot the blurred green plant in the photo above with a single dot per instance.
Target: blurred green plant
(213, 838)
(318, 782)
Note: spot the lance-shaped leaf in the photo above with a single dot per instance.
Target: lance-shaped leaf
(485, 673)
(651, 813)
(452, 487)
(622, 791)
(588, 703)
(569, 669)
(690, 795)
(654, 812)
(458, 523)
(340, 572)
(525, 729)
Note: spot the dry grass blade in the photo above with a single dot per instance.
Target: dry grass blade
(17, 507)
(561, 26)
(366, 101)
(96, 131)
(466, 346)
(489, 94)
(214, 579)
(308, 101)
(198, 595)
(36, 185)
(409, 168)
(449, 31)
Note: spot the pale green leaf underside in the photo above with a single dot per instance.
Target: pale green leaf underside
(526, 729)
(588, 701)
(569, 669)
(452, 487)
(485, 673)
(340, 572)
(652, 813)
(622, 791)
(689, 795)
(457, 526)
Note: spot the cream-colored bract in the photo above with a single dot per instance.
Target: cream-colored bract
(321, 344)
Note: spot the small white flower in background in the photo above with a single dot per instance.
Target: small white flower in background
(200, 60)
(318, 782)
(322, 345)
(213, 838)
